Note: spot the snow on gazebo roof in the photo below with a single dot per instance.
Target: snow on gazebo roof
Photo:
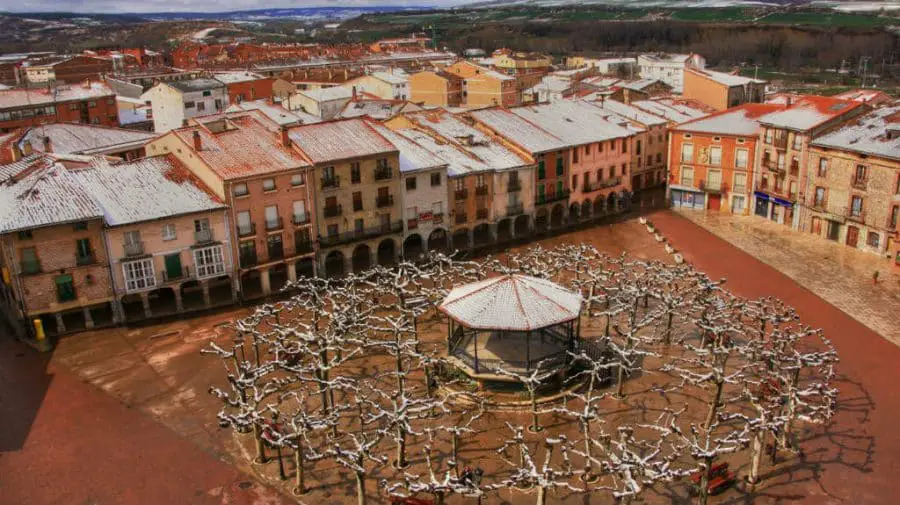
(511, 302)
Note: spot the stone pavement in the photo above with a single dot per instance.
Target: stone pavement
(838, 274)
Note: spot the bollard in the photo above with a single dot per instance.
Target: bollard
(39, 329)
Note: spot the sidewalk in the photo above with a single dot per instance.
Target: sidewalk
(838, 274)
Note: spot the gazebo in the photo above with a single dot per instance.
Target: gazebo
(515, 322)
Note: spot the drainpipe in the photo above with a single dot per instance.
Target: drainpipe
(118, 313)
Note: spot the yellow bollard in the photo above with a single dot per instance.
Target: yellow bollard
(39, 329)
(5, 273)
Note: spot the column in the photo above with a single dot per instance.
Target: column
(179, 303)
(145, 301)
(471, 243)
(88, 319)
(348, 265)
(60, 325)
(235, 289)
(264, 282)
(292, 271)
(492, 231)
(204, 286)
(118, 313)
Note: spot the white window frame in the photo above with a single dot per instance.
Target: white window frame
(682, 178)
(244, 192)
(139, 274)
(169, 232)
(737, 158)
(691, 148)
(712, 160)
(209, 261)
(298, 179)
(267, 182)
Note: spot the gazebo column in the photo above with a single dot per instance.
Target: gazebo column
(475, 347)
(528, 351)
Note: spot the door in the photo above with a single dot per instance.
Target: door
(715, 202)
(762, 207)
(852, 236)
(816, 226)
(173, 266)
(834, 230)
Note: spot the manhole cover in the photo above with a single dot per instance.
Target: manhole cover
(245, 484)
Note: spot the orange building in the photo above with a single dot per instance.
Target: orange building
(245, 86)
(721, 90)
(712, 159)
(89, 103)
(483, 86)
(435, 88)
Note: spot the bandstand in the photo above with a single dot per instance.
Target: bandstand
(514, 322)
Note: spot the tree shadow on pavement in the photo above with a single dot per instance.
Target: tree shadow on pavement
(24, 382)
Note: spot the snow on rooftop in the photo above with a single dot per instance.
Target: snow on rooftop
(275, 112)
(511, 302)
(808, 111)
(728, 79)
(519, 130)
(640, 84)
(390, 78)
(199, 84)
(236, 77)
(413, 157)
(339, 140)
(630, 112)
(328, 94)
(144, 190)
(377, 109)
(673, 110)
(13, 98)
(740, 120)
(39, 191)
(246, 148)
(573, 120)
(75, 138)
(870, 134)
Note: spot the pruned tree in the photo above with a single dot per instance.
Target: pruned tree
(529, 471)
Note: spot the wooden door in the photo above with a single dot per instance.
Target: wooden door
(715, 202)
(852, 236)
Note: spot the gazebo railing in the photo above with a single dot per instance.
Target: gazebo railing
(482, 365)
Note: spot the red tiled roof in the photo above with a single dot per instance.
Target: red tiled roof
(339, 140)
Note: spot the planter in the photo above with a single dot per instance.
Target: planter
(669, 248)
(658, 237)
(679, 259)
(650, 228)
(642, 220)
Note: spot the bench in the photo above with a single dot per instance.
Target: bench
(719, 478)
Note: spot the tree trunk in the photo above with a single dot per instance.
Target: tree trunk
(668, 338)
(535, 427)
(454, 451)
(360, 488)
(704, 482)
(260, 448)
(620, 381)
(714, 405)
(542, 495)
(791, 411)
(588, 461)
(439, 498)
(298, 459)
(756, 456)
(281, 474)
(401, 447)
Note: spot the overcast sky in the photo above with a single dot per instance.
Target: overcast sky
(118, 6)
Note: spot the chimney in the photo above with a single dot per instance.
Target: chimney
(354, 93)
(198, 143)
(285, 138)
(14, 153)
(48, 145)
(26, 149)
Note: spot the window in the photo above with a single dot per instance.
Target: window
(587, 149)
(586, 177)
(624, 169)
(298, 179)
(139, 274)
(873, 239)
(168, 232)
(575, 155)
(819, 200)
(798, 142)
(30, 264)
(541, 173)
(856, 206)
(435, 179)
(717, 139)
(411, 183)
(132, 237)
(332, 230)
(892, 219)
(624, 146)
(299, 211)
(189, 105)
(357, 201)
(25, 235)
(823, 167)
(201, 106)
(201, 224)
(209, 261)
(355, 175)
(207, 93)
(780, 161)
(687, 176)
(599, 174)
(559, 167)
(740, 158)
(637, 147)
(460, 184)
(110, 101)
(245, 227)
(81, 225)
(272, 217)
(92, 104)
(860, 174)
(687, 153)
(740, 183)
(574, 182)
(268, 184)
(715, 156)
(770, 134)
(240, 189)
(659, 157)
(381, 163)
(95, 120)
(65, 288)
(359, 225)
(479, 180)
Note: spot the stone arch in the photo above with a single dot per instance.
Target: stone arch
(586, 209)
(413, 247)
(521, 225)
(437, 240)
(612, 203)
(542, 219)
(334, 264)
(305, 267)
(557, 216)
(461, 239)
(361, 259)
(278, 276)
(599, 206)
(504, 230)
(574, 213)
(387, 252)
(481, 235)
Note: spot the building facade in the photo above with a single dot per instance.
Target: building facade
(89, 103)
(173, 103)
(439, 88)
(720, 90)
(669, 68)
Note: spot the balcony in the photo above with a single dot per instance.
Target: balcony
(856, 215)
(552, 197)
(514, 185)
(481, 191)
(481, 214)
(795, 169)
(86, 259)
(274, 224)
(300, 219)
(819, 204)
(165, 277)
(461, 194)
(362, 234)
(303, 247)
(860, 183)
(714, 187)
(246, 230)
(203, 236)
(30, 267)
(332, 182)
(772, 166)
(739, 189)
(383, 173)
(608, 183)
(134, 248)
(460, 218)
(780, 141)
(382, 201)
(437, 218)
(515, 209)
(248, 259)
(332, 210)
(587, 187)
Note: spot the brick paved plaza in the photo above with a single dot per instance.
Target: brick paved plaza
(131, 403)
